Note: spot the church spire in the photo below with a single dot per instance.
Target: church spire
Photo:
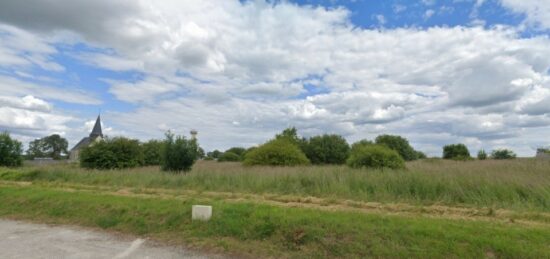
(96, 132)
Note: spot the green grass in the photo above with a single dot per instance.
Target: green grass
(262, 230)
(521, 184)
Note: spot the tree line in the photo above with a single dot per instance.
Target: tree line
(177, 153)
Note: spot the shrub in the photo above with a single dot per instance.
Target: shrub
(291, 134)
(112, 153)
(229, 157)
(456, 152)
(481, 155)
(10, 151)
(503, 154)
(178, 154)
(363, 142)
(327, 149)
(151, 152)
(213, 155)
(277, 152)
(399, 144)
(375, 156)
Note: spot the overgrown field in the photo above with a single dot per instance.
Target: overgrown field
(512, 184)
(432, 209)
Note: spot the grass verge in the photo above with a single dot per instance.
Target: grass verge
(264, 230)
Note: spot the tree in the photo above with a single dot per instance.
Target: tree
(503, 154)
(151, 152)
(420, 155)
(456, 152)
(327, 149)
(399, 144)
(277, 152)
(10, 151)
(481, 155)
(214, 154)
(178, 153)
(53, 146)
(375, 156)
(291, 134)
(112, 153)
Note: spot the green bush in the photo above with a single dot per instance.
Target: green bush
(228, 156)
(151, 152)
(503, 154)
(112, 153)
(482, 155)
(375, 156)
(399, 144)
(10, 151)
(178, 154)
(420, 155)
(327, 149)
(277, 152)
(456, 152)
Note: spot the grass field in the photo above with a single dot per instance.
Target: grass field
(434, 208)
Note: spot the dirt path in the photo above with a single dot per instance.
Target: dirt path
(28, 240)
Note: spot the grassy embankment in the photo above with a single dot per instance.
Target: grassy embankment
(433, 209)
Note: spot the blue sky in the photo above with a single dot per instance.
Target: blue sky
(437, 72)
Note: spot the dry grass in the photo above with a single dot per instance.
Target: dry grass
(515, 184)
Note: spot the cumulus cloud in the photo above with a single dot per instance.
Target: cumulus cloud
(240, 71)
(537, 12)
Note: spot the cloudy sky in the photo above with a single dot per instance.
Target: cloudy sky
(434, 71)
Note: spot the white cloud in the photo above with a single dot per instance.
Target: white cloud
(536, 11)
(234, 71)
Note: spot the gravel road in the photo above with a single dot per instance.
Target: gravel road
(28, 240)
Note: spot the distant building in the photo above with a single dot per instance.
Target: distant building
(543, 153)
(96, 135)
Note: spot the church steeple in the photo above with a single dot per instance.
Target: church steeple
(96, 132)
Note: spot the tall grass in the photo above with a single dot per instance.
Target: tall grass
(515, 184)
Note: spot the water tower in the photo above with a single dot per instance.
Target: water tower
(194, 134)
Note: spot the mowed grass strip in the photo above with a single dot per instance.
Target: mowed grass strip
(521, 184)
(262, 231)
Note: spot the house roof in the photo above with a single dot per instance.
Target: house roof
(83, 143)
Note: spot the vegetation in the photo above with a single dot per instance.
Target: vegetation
(291, 135)
(375, 156)
(456, 152)
(257, 230)
(481, 155)
(503, 154)
(277, 152)
(10, 151)
(112, 153)
(53, 146)
(521, 184)
(178, 154)
(399, 144)
(327, 149)
(151, 152)
(228, 156)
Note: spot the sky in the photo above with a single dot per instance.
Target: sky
(436, 72)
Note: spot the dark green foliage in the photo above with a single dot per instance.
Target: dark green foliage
(10, 151)
(399, 144)
(291, 134)
(277, 152)
(420, 155)
(482, 155)
(363, 142)
(151, 152)
(228, 156)
(503, 154)
(375, 156)
(327, 149)
(237, 150)
(112, 153)
(53, 146)
(456, 152)
(178, 153)
(213, 155)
